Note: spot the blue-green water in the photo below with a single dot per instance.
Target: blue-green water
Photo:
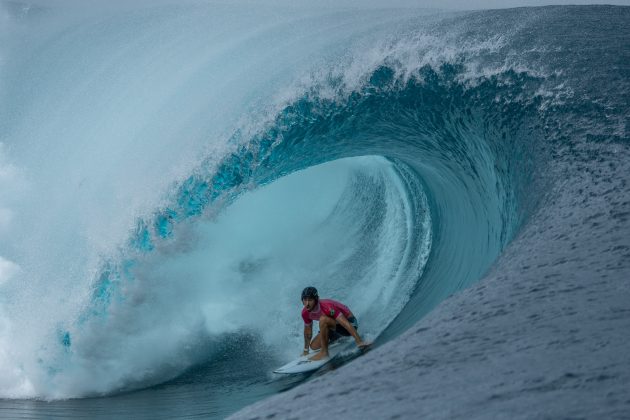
(175, 175)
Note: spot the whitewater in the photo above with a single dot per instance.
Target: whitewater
(173, 174)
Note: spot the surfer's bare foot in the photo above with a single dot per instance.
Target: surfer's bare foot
(319, 356)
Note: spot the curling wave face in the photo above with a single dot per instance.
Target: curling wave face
(173, 190)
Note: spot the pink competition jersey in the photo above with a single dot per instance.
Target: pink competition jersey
(328, 307)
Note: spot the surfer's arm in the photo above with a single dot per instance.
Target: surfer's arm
(308, 334)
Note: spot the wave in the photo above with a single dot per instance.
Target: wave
(387, 157)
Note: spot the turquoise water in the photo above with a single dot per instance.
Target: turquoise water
(175, 175)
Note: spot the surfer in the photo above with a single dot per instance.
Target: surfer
(335, 321)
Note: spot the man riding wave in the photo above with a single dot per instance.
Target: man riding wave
(335, 321)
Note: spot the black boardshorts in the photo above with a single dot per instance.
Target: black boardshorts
(341, 331)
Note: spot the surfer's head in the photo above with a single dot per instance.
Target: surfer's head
(310, 297)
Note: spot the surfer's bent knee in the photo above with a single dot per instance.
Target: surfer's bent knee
(326, 321)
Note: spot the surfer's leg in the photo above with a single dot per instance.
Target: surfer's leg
(326, 324)
(316, 342)
(341, 331)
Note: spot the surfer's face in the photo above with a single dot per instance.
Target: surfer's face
(309, 303)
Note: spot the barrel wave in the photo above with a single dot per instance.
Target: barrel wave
(174, 175)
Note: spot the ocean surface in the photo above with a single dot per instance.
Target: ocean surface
(173, 174)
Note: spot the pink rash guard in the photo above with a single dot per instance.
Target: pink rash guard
(327, 307)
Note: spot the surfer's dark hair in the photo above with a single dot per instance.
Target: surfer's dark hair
(310, 292)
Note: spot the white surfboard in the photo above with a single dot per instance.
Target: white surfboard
(305, 364)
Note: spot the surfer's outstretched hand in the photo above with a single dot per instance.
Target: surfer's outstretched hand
(363, 345)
